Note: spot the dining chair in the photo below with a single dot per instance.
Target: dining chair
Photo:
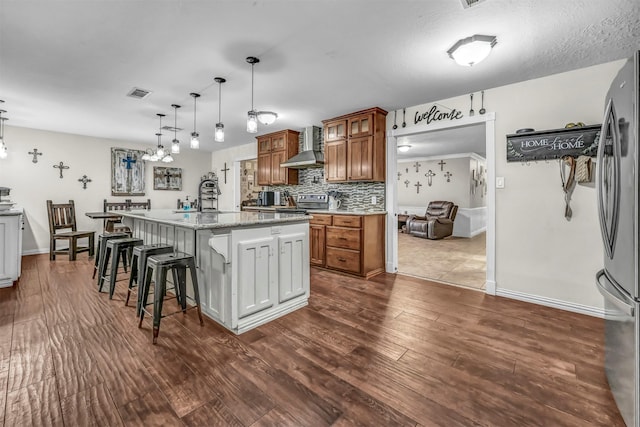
(62, 226)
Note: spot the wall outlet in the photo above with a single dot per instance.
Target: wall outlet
(373, 200)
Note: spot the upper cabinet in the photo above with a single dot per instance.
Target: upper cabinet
(273, 149)
(355, 146)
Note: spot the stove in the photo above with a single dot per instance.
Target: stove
(312, 201)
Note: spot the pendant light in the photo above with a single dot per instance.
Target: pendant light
(160, 149)
(219, 134)
(3, 147)
(252, 115)
(175, 144)
(195, 141)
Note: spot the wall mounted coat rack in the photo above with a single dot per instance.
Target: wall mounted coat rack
(553, 144)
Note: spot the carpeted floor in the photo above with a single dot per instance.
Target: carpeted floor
(454, 260)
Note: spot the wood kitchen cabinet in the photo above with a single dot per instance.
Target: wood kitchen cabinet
(352, 244)
(355, 146)
(273, 149)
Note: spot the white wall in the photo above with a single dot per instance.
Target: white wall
(538, 252)
(456, 190)
(231, 156)
(33, 183)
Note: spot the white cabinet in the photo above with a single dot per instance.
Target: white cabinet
(293, 265)
(256, 275)
(10, 247)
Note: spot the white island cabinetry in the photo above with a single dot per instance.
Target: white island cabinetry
(10, 246)
(250, 271)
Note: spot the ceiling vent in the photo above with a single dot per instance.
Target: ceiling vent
(468, 3)
(138, 93)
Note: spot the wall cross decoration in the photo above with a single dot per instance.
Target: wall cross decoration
(61, 166)
(35, 154)
(418, 185)
(448, 175)
(225, 170)
(442, 163)
(84, 181)
(128, 160)
(417, 166)
(399, 175)
(429, 176)
(406, 183)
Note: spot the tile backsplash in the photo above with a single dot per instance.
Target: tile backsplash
(355, 195)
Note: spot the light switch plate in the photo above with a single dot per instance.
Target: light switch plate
(499, 181)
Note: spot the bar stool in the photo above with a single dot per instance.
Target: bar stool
(102, 245)
(116, 249)
(139, 268)
(157, 268)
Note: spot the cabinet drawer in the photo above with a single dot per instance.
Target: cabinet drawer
(347, 221)
(343, 259)
(320, 219)
(343, 238)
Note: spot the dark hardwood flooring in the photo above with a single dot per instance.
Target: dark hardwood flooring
(393, 350)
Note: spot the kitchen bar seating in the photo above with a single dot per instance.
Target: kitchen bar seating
(139, 268)
(116, 249)
(157, 268)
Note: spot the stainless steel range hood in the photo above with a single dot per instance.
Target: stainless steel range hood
(310, 156)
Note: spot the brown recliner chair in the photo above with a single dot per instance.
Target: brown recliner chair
(437, 222)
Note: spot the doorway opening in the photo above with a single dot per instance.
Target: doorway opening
(444, 163)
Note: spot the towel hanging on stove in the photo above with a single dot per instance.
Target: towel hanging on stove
(567, 175)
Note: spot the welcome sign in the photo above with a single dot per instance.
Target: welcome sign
(553, 144)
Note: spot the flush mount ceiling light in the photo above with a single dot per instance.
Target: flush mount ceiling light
(472, 50)
(219, 133)
(175, 144)
(267, 117)
(195, 141)
(403, 148)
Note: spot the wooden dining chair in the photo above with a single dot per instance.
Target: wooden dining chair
(112, 225)
(62, 226)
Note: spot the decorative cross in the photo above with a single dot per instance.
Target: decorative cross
(35, 155)
(406, 183)
(418, 185)
(167, 176)
(406, 170)
(84, 181)
(129, 160)
(442, 163)
(61, 166)
(399, 175)
(417, 166)
(448, 175)
(429, 176)
(225, 170)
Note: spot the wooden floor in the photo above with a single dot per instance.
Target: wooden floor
(390, 351)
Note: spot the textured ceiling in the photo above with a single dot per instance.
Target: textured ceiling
(67, 65)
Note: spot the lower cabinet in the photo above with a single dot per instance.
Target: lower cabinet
(353, 244)
(293, 265)
(256, 273)
(10, 248)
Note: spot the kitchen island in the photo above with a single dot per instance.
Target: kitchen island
(252, 267)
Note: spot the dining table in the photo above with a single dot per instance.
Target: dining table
(104, 216)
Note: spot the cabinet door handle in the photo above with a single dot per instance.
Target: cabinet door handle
(341, 259)
(342, 238)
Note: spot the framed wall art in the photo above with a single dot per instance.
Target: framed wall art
(127, 172)
(167, 178)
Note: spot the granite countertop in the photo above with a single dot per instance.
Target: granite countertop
(209, 220)
(320, 211)
(12, 211)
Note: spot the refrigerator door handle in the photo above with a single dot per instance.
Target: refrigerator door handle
(608, 290)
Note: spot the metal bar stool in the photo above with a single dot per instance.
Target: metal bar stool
(157, 268)
(102, 245)
(139, 268)
(116, 249)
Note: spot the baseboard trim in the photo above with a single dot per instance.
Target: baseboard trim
(35, 252)
(478, 231)
(551, 302)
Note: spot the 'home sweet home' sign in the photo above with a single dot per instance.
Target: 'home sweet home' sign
(553, 144)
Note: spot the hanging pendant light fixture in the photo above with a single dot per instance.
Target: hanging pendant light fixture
(252, 115)
(219, 134)
(195, 137)
(3, 146)
(160, 149)
(175, 144)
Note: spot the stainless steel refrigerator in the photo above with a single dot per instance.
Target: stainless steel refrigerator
(618, 185)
